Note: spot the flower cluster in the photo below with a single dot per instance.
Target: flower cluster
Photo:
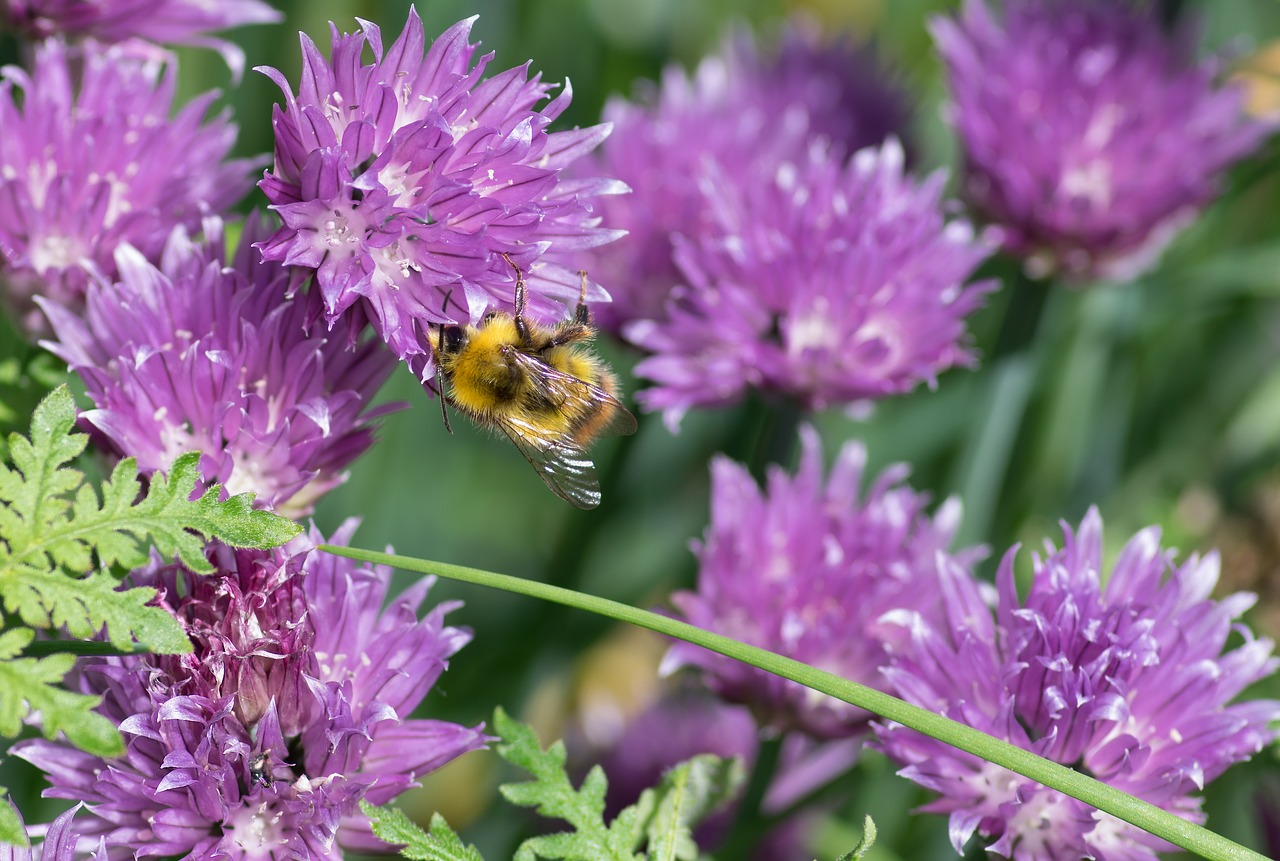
(90, 159)
(827, 282)
(1089, 133)
(1128, 681)
(197, 355)
(401, 183)
(742, 111)
(806, 569)
(163, 22)
(292, 708)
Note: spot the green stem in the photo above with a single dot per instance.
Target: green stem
(579, 533)
(748, 822)
(1054, 775)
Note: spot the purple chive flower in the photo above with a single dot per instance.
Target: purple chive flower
(164, 22)
(59, 840)
(826, 282)
(293, 707)
(1128, 681)
(806, 568)
(90, 159)
(401, 182)
(1091, 135)
(744, 110)
(200, 356)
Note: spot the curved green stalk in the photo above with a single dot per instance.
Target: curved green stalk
(1146, 816)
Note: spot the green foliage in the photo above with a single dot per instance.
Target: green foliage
(32, 684)
(864, 845)
(661, 819)
(440, 843)
(62, 542)
(687, 794)
(11, 830)
(659, 823)
(53, 525)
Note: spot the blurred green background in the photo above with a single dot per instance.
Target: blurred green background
(1158, 400)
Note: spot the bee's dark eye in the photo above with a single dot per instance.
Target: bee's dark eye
(453, 338)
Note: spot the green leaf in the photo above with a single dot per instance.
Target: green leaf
(687, 794)
(864, 845)
(552, 794)
(55, 530)
(30, 685)
(11, 830)
(440, 843)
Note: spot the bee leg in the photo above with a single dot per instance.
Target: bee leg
(581, 316)
(521, 328)
(444, 409)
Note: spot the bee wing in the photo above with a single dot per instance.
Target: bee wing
(562, 464)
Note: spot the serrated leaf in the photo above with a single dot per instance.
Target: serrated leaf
(33, 685)
(84, 607)
(53, 526)
(864, 845)
(11, 829)
(552, 794)
(439, 843)
(687, 794)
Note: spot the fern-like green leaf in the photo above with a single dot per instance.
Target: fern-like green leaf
(864, 845)
(33, 685)
(552, 794)
(55, 530)
(687, 794)
(439, 843)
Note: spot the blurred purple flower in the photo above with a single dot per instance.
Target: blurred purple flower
(163, 22)
(806, 569)
(1127, 682)
(829, 283)
(401, 182)
(686, 722)
(90, 160)
(743, 110)
(293, 707)
(200, 356)
(1090, 134)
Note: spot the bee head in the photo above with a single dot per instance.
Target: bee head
(452, 339)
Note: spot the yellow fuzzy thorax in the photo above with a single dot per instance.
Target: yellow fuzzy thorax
(488, 382)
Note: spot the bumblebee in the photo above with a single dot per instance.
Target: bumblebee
(540, 385)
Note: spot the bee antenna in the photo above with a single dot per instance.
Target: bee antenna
(521, 329)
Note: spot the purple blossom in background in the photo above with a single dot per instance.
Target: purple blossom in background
(163, 22)
(744, 111)
(806, 569)
(827, 282)
(200, 356)
(293, 707)
(1128, 682)
(1091, 135)
(687, 722)
(401, 182)
(90, 159)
